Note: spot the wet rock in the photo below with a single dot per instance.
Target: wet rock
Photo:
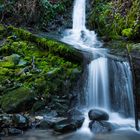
(69, 125)
(16, 120)
(65, 126)
(13, 124)
(49, 122)
(14, 131)
(78, 120)
(5, 121)
(74, 112)
(44, 125)
(100, 127)
(10, 131)
(96, 114)
(20, 121)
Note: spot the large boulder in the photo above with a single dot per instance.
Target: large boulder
(74, 120)
(96, 114)
(46, 123)
(17, 100)
(69, 125)
(100, 127)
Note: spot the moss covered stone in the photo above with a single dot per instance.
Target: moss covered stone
(29, 63)
(20, 99)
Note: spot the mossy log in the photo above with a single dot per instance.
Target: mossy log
(63, 50)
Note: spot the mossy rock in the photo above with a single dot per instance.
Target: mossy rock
(10, 61)
(45, 66)
(18, 100)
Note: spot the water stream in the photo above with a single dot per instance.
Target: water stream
(109, 82)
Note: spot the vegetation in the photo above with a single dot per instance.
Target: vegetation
(116, 19)
(35, 13)
(34, 70)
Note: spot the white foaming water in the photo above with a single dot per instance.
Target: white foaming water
(85, 127)
(98, 84)
(79, 35)
(79, 15)
(98, 90)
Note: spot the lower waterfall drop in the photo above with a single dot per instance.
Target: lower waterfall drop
(98, 84)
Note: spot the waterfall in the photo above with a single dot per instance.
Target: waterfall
(79, 16)
(79, 35)
(109, 83)
(98, 84)
(121, 88)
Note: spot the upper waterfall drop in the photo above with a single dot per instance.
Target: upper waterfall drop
(79, 15)
(79, 35)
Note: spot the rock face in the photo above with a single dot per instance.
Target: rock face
(97, 115)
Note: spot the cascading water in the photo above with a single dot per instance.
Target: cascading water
(121, 88)
(79, 21)
(79, 35)
(98, 84)
(109, 91)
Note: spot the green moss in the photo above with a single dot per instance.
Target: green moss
(127, 32)
(10, 61)
(17, 100)
(116, 18)
(2, 28)
(44, 65)
(4, 71)
(52, 46)
(134, 47)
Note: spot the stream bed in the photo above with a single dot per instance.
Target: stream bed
(37, 134)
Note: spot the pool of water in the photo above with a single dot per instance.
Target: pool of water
(37, 134)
